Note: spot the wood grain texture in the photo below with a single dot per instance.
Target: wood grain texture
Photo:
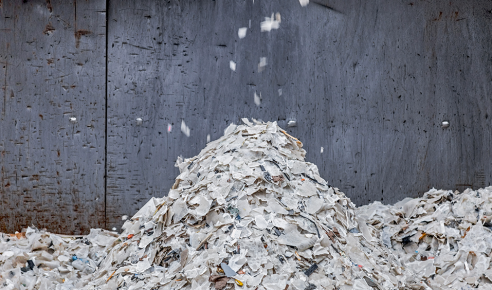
(370, 82)
(52, 56)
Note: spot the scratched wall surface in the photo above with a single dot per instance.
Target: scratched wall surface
(370, 81)
(52, 56)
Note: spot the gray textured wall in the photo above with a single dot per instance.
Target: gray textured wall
(370, 81)
(52, 56)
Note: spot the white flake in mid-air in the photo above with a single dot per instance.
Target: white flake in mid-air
(242, 32)
(185, 129)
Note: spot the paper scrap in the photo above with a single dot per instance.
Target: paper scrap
(270, 23)
(257, 99)
(185, 128)
(242, 32)
(262, 64)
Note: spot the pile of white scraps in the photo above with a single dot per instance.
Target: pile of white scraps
(249, 213)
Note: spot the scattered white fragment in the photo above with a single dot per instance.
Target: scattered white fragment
(304, 2)
(63, 258)
(292, 123)
(279, 92)
(269, 24)
(229, 129)
(322, 149)
(145, 241)
(208, 138)
(257, 99)
(445, 124)
(7, 254)
(250, 24)
(232, 65)
(114, 229)
(185, 128)
(139, 121)
(73, 119)
(262, 64)
(124, 218)
(260, 221)
(247, 122)
(143, 265)
(236, 234)
(169, 128)
(242, 32)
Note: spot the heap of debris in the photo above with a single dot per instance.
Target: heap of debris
(249, 213)
(40, 260)
(443, 240)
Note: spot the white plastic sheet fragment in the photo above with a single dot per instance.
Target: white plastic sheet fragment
(242, 32)
(257, 99)
(204, 206)
(261, 222)
(238, 260)
(314, 204)
(262, 64)
(270, 23)
(293, 237)
(185, 129)
(145, 241)
(179, 209)
(232, 65)
(306, 189)
(304, 2)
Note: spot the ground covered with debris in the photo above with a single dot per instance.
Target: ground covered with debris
(249, 213)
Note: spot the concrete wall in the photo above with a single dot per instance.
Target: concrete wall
(370, 82)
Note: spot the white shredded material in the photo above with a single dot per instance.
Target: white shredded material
(304, 2)
(270, 23)
(262, 64)
(185, 129)
(249, 210)
(242, 32)
(257, 99)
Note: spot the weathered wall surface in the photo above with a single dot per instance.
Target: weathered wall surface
(52, 56)
(370, 82)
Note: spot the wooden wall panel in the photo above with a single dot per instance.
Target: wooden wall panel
(370, 82)
(53, 68)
